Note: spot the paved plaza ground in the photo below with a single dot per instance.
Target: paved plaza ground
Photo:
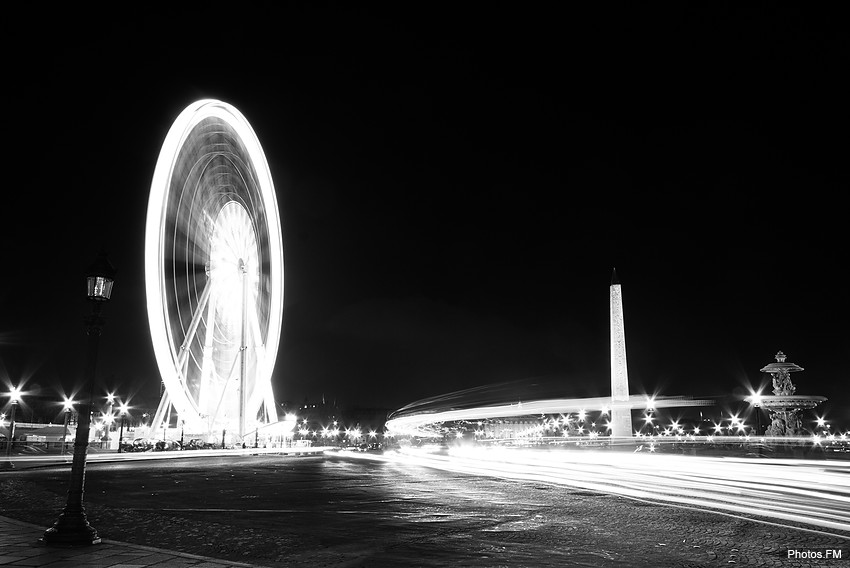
(332, 511)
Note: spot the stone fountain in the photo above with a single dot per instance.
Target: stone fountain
(784, 406)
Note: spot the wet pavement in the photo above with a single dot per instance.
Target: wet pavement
(333, 511)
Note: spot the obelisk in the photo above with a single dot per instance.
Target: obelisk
(621, 416)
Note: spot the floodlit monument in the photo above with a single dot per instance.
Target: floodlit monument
(621, 415)
(785, 406)
(214, 275)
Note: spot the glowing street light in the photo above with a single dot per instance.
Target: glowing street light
(14, 397)
(123, 409)
(110, 401)
(72, 527)
(756, 400)
(68, 406)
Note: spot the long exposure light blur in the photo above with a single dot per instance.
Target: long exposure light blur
(811, 492)
(417, 423)
(232, 232)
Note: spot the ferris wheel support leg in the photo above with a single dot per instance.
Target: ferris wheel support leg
(193, 327)
(243, 367)
(207, 364)
(268, 400)
(161, 412)
(183, 358)
(263, 395)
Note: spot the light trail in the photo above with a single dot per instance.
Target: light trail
(811, 492)
(417, 422)
(28, 462)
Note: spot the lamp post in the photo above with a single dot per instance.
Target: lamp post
(756, 400)
(69, 406)
(110, 402)
(15, 396)
(108, 420)
(72, 527)
(758, 417)
(123, 410)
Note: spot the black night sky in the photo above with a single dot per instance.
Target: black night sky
(455, 190)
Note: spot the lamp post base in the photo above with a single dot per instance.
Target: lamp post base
(71, 530)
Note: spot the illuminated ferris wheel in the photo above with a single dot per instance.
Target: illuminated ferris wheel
(214, 272)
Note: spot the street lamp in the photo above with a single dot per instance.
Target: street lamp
(756, 400)
(107, 420)
(69, 407)
(123, 408)
(110, 401)
(72, 527)
(14, 396)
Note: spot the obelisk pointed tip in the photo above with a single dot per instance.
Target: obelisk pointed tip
(614, 279)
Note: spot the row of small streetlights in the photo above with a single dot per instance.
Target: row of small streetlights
(16, 397)
(334, 432)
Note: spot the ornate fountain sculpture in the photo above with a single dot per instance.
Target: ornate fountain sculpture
(785, 406)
